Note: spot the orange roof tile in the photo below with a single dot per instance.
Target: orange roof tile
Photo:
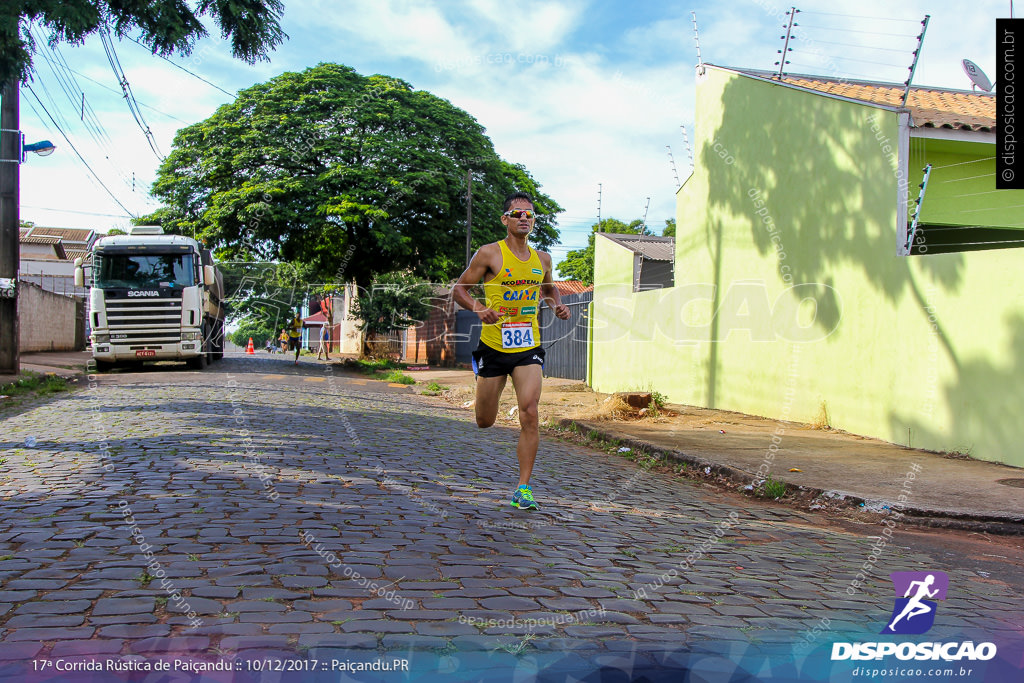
(571, 287)
(929, 107)
(68, 234)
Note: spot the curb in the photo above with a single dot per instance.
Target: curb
(917, 516)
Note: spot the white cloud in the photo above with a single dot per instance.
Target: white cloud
(558, 90)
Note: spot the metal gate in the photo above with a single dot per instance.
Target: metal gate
(565, 341)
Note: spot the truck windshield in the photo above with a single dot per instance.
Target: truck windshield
(144, 270)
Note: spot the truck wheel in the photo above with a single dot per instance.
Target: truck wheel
(104, 366)
(199, 362)
(202, 360)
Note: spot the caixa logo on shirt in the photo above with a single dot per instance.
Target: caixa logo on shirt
(913, 613)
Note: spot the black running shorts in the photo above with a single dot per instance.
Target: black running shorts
(488, 362)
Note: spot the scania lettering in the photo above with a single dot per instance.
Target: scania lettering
(153, 297)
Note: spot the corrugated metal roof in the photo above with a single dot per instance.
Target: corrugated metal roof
(929, 107)
(649, 246)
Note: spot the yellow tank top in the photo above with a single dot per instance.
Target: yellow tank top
(514, 293)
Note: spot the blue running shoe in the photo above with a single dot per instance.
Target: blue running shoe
(523, 498)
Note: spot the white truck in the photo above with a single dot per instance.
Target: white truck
(153, 297)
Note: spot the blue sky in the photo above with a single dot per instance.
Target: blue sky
(581, 92)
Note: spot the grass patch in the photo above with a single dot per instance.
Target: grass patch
(434, 389)
(398, 377)
(770, 488)
(372, 367)
(33, 384)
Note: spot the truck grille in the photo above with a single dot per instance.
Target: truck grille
(144, 321)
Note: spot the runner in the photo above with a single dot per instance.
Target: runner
(517, 278)
(295, 335)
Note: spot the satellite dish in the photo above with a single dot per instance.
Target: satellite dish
(977, 76)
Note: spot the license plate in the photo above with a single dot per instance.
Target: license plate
(145, 353)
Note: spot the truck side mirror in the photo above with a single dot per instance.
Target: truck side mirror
(209, 277)
(79, 273)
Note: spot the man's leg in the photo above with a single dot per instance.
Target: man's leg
(527, 380)
(488, 394)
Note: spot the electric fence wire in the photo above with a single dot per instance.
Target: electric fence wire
(133, 106)
(870, 47)
(75, 150)
(855, 74)
(813, 13)
(837, 58)
(850, 30)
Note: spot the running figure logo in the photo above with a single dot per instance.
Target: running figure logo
(912, 613)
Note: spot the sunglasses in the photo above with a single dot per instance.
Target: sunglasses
(517, 213)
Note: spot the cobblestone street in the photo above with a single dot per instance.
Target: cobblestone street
(260, 511)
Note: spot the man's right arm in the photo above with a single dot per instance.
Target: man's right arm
(478, 268)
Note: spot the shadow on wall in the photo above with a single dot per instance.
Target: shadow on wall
(827, 188)
(985, 404)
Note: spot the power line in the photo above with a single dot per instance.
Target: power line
(84, 213)
(133, 106)
(75, 150)
(182, 68)
(118, 92)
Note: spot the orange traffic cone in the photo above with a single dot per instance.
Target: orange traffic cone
(249, 349)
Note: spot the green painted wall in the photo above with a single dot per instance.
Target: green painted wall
(787, 230)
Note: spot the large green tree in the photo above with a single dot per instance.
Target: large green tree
(165, 26)
(579, 263)
(351, 175)
(394, 302)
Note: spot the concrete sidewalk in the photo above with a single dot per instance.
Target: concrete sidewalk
(61, 363)
(822, 468)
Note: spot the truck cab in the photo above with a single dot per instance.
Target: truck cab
(153, 297)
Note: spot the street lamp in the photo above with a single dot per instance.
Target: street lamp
(43, 148)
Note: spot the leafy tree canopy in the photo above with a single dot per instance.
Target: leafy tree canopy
(670, 228)
(268, 292)
(579, 263)
(259, 330)
(166, 26)
(350, 175)
(394, 302)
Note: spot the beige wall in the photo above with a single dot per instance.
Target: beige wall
(46, 320)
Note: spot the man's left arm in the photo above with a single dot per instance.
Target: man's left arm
(549, 292)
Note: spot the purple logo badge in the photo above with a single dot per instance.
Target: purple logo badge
(914, 612)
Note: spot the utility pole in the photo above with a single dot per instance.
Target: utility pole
(469, 215)
(10, 152)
